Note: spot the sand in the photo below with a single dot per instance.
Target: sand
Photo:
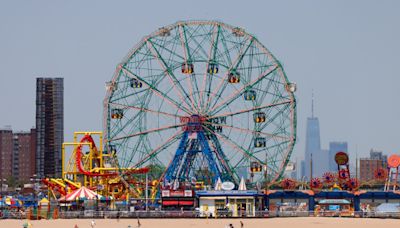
(309, 222)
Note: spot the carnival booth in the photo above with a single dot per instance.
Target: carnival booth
(334, 203)
(289, 203)
(230, 203)
(223, 201)
(177, 199)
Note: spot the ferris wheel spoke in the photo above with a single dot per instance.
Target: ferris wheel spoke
(171, 140)
(251, 109)
(237, 61)
(147, 132)
(199, 45)
(188, 59)
(168, 50)
(211, 57)
(185, 46)
(233, 144)
(174, 81)
(158, 92)
(250, 131)
(193, 77)
(145, 110)
(274, 117)
(239, 92)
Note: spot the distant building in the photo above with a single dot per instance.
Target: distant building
(24, 153)
(6, 153)
(320, 162)
(335, 147)
(313, 147)
(377, 155)
(368, 166)
(17, 154)
(49, 126)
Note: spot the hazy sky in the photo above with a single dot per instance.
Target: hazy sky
(348, 52)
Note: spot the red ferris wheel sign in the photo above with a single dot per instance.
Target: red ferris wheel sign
(341, 158)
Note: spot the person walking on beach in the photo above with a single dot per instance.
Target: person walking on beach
(92, 223)
(241, 224)
(138, 222)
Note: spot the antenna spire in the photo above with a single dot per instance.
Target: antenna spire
(312, 104)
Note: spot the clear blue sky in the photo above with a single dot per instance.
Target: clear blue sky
(347, 51)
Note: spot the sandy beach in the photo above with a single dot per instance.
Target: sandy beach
(210, 223)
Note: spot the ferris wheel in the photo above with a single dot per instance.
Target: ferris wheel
(204, 100)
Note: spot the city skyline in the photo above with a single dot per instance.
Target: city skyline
(348, 106)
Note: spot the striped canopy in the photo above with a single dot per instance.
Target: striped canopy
(82, 193)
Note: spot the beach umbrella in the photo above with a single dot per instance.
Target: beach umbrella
(82, 193)
(13, 202)
(242, 185)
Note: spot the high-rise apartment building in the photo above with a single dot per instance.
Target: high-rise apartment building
(24, 153)
(49, 126)
(6, 153)
(17, 153)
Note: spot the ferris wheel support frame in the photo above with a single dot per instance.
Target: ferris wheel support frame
(189, 149)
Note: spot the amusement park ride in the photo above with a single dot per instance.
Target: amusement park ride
(192, 104)
(97, 170)
(202, 100)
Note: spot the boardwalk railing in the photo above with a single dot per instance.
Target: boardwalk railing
(5, 214)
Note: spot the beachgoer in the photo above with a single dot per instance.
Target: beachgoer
(138, 222)
(241, 224)
(92, 224)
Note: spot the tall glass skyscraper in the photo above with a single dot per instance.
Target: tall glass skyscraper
(313, 148)
(49, 126)
(313, 145)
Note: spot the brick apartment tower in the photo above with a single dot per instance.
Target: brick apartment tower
(6, 153)
(49, 126)
(24, 155)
